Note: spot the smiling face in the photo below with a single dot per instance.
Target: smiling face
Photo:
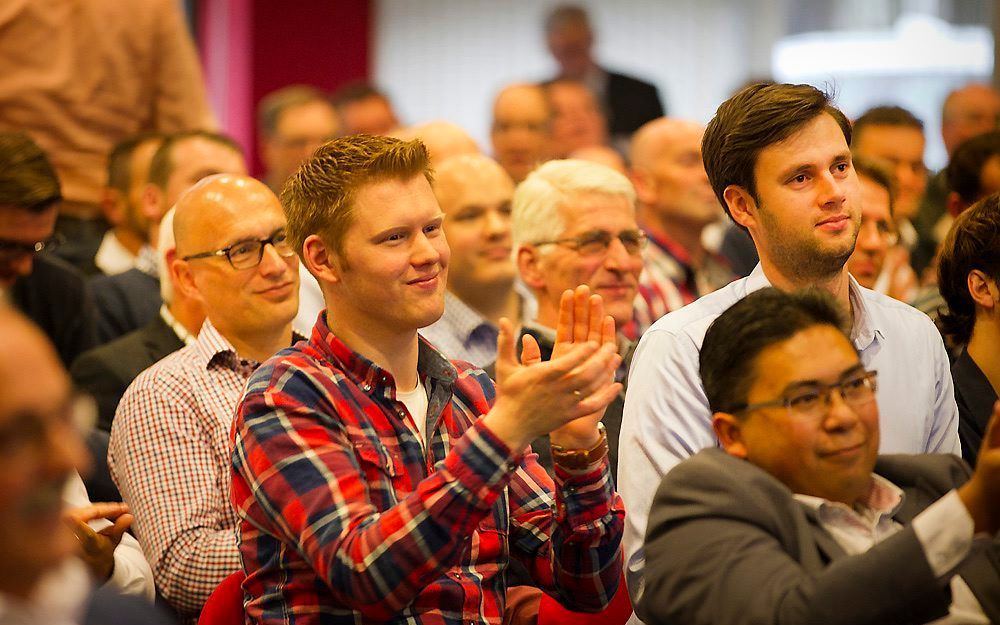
(831, 456)
(475, 193)
(807, 214)
(613, 274)
(220, 213)
(392, 275)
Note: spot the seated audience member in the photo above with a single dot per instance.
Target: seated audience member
(970, 110)
(442, 139)
(127, 239)
(169, 452)
(894, 135)
(797, 518)
(577, 120)
(40, 422)
(675, 205)
(129, 300)
(106, 371)
(973, 173)
(474, 194)
(779, 160)
(291, 123)
(363, 109)
(627, 102)
(521, 131)
(969, 279)
(877, 235)
(574, 223)
(376, 481)
(49, 291)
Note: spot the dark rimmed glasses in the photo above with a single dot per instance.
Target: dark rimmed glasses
(812, 400)
(248, 254)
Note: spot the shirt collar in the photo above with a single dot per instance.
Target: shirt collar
(112, 257)
(366, 374)
(882, 499)
(211, 347)
(181, 332)
(863, 331)
(147, 261)
(463, 319)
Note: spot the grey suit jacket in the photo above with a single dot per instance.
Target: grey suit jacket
(106, 371)
(727, 543)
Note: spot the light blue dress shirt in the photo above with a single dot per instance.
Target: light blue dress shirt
(667, 418)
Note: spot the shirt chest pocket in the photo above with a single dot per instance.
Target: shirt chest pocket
(380, 472)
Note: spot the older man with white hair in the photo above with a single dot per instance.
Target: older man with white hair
(574, 224)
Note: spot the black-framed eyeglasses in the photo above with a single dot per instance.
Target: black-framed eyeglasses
(247, 254)
(14, 249)
(811, 400)
(598, 242)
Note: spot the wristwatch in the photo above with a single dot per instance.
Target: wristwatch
(576, 459)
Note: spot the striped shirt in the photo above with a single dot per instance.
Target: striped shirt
(345, 519)
(169, 455)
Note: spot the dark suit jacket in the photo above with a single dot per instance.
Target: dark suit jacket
(630, 103)
(727, 543)
(975, 398)
(56, 298)
(125, 302)
(105, 372)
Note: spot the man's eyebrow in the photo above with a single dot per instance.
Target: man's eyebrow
(845, 373)
(795, 170)
(248, 238)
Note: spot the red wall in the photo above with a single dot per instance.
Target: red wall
(252, 47)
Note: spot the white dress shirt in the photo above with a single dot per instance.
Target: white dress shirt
(667, 418)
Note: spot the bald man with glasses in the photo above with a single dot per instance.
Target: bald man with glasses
(169, 451)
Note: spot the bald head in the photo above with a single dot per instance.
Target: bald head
(199, 209)
(670, 178)
(234, 259)
(656, 137)
(443, 139)
(455, 175)
(967, 112)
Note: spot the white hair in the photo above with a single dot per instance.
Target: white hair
(535, 211)
(165, 245)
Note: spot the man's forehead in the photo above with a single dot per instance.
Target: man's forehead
(817, 353)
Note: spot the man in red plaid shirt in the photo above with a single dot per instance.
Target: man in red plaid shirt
(374, 480)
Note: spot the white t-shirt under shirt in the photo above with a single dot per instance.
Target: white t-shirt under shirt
(415, 401)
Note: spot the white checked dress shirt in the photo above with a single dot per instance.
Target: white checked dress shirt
(170, 456)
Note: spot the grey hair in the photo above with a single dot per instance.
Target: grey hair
(535, 211)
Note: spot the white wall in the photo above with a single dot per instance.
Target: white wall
(448, 58)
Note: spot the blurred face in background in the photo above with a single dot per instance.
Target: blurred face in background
(876, 236)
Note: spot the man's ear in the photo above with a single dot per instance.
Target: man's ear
(152, 203)
(643, 184)
(730, 434)
(321, 260)
(180, 272)
(983, 290)
(528, 266)
(741, 206)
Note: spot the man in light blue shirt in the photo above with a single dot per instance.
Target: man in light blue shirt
(778, 158)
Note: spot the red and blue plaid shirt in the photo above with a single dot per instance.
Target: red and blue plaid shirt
(345, 519)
